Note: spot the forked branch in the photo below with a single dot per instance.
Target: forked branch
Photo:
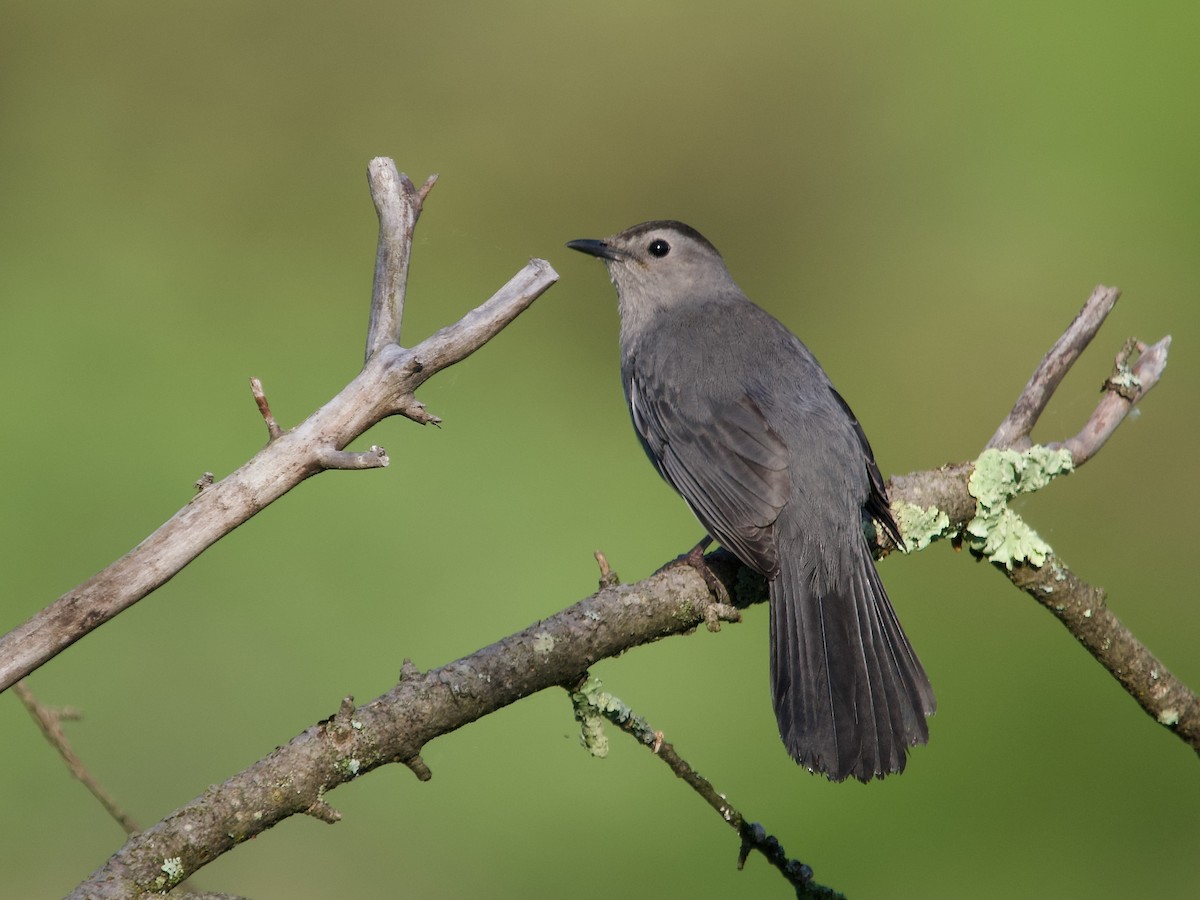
(1127, 384)
(1080, 607)
(384, 387)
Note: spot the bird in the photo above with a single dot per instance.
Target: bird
(737, 415)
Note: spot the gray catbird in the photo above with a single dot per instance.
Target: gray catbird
(739, 417)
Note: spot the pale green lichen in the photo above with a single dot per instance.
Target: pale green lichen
(592, 736)
(592, 707)
(172, 867)
(920, 526)
(1000, 475)
(1124, 380)
(543, 642)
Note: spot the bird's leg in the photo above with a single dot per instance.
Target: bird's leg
(721, 609)
(695, 559)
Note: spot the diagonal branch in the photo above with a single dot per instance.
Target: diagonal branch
(1079, 606)
(383, 388)
(454, 343)
(1083, 610)
(395, 726)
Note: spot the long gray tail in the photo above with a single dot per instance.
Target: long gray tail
(850, 694)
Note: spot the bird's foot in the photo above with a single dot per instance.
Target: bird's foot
(720, 609)
(717, 612)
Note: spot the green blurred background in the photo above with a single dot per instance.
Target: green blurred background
(926, 192)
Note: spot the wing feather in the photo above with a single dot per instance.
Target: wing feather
(731, 468)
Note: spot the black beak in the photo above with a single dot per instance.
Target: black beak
(593, 247)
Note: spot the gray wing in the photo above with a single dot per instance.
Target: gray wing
(727, 463)
(878, 506)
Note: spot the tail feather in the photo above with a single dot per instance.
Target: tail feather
(850, 694)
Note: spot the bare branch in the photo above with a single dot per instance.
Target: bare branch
(1014, 431)
(455, 342)
(1079, 606)
(398, 204)
(384, 387)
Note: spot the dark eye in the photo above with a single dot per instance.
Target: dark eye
(659, 248)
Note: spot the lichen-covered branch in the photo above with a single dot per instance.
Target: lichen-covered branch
(1082, 608)
(994, 531)
(968, 503)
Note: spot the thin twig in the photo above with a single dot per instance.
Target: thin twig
(608, 578)
(1122, 391)
(590, 702)
(419, 768)
(452, 344)
(50, 720)
(1014, 431)
(260, 398)
(424, 192)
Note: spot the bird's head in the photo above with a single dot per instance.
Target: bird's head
(659, 263)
